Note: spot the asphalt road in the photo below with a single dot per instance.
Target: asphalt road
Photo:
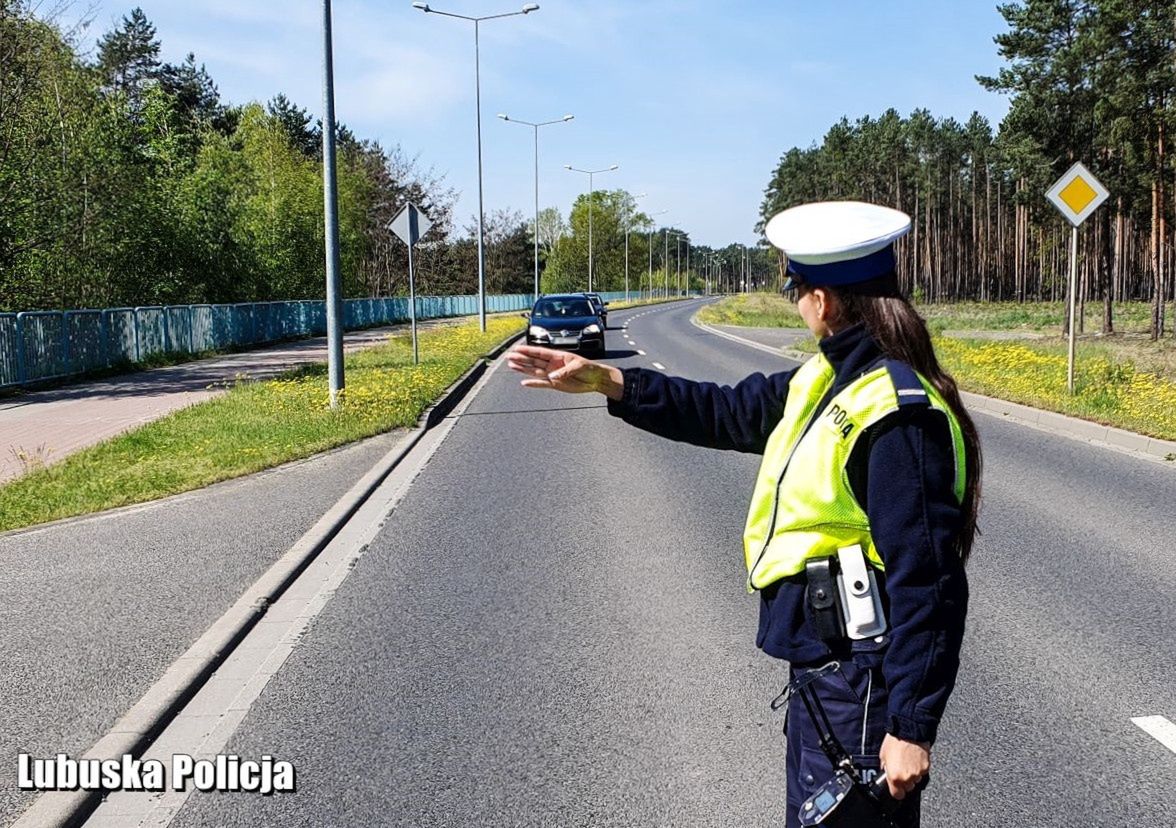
(94, 610)
(551, 629)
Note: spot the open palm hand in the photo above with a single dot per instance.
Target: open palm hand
(559, 370)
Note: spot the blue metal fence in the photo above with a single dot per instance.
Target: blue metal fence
(42, 345)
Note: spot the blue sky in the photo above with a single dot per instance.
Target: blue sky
(695, 101)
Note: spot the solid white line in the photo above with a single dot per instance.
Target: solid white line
(659, 366)
(1159, 728)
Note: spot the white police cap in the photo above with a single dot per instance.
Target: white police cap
(838, 242)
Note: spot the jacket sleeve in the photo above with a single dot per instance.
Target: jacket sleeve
(703, 413)
(915, 519)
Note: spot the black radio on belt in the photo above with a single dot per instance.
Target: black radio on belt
(823, 599)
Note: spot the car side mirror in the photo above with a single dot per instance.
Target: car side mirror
(605, 304)
(525, 314)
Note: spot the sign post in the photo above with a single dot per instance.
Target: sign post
(1076, 194)
(410, 224)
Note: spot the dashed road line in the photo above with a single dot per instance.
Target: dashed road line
(659, 366)
(1159, 728)
(640, 352)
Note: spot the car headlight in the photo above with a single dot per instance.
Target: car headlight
(592, 329)
(538, 332)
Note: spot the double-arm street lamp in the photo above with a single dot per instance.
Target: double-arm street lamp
(678, 262)
(591, 197)
(628, 228)
(527, 9)
(536, 128)
(651, 216)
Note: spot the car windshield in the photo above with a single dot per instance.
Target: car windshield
(556, 308)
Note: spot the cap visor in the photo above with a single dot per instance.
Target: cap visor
(789, 284)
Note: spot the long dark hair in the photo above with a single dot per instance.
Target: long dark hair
(902, 334)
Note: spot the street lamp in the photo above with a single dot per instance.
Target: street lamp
(536, 128)
(527, 9)
(678, 266)
(334, 298)
(666, 259)
(591, 197)
(628, 222)
(651, 216)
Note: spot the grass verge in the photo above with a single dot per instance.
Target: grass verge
(1106, 389)
(255, 426)
(753, 310)
(1125, 380)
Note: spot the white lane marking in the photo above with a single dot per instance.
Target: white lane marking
(659, 366)
(1159, 728)
(640, 352)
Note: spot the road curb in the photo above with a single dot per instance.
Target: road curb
(139, 726)
(1104, 436)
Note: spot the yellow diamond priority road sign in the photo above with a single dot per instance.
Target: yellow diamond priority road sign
(1077, 194)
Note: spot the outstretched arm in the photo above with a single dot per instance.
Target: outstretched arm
(739, 418)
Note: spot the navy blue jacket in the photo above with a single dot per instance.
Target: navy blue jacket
(902, 472)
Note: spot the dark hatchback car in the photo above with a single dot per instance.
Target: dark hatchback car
(601, 307)
(566, 321)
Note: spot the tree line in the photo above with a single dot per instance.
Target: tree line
(125, 180)
(624, 240)
(1088, 80)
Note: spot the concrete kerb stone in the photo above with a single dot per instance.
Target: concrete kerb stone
(759, 346)
(139, 726)
(1049, 421)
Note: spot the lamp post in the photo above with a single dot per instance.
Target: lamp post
(591, 197)
(536, 128)
(666, 259)
(678, 264)
(651, 216)
(628, 227)
(527, 9)
(334, 301)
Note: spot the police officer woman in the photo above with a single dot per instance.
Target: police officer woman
(869, 459)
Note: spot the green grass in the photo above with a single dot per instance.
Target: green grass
(1124, 380)
(770, 310)
(1031, 317)
(753, 310)
(1108, 389)
(255, 426)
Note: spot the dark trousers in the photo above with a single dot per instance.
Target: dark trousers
(854, 699)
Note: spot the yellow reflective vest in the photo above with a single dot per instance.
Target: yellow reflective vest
(803, 506)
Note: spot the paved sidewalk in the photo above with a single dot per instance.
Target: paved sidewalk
(42, 427)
